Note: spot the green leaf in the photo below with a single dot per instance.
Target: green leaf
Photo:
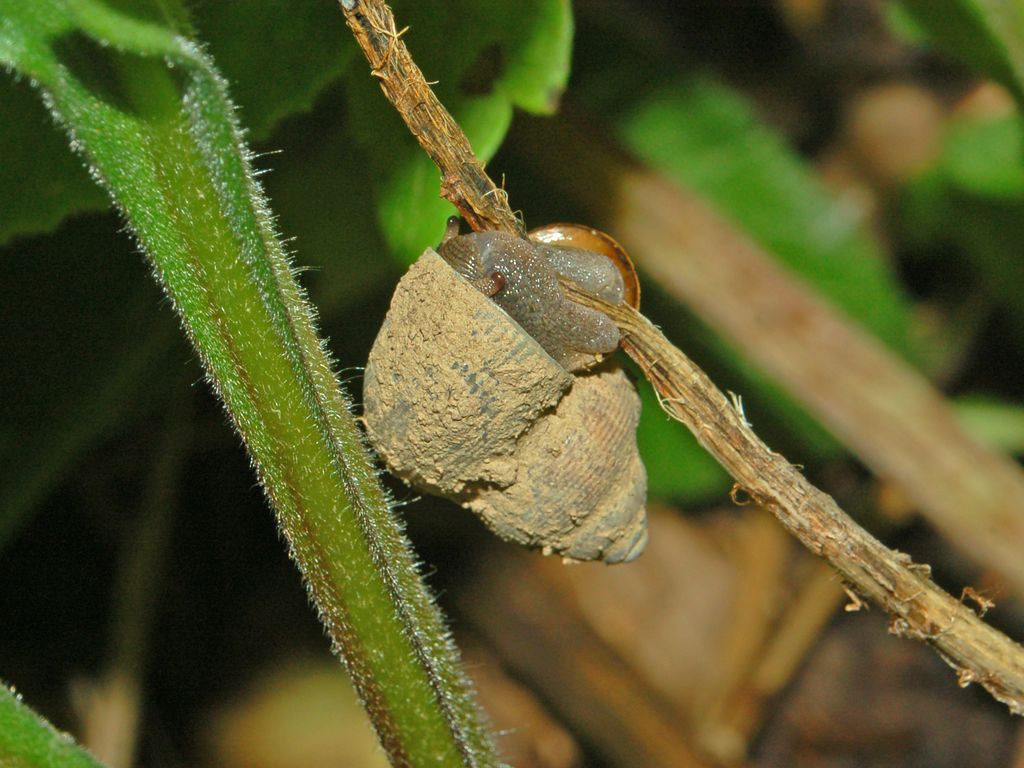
(151, 115)
(276, 56)
(991, 234)
(496, 56)
(903, 25)
(28, 741)
(709, 139)
(40, 181)
(318, 179)
(986, 156)
(678, 468)
(405, 183)
(538, 35)
(996, 422)
(987, 35)
(706, 137)
(78, 362)
(973, 200)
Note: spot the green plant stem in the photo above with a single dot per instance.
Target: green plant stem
(151, 116)
(28, 741)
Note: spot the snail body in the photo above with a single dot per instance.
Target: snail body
(460, 401)
(569, 239)
(521, 276)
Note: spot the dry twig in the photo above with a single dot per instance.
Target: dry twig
(919, 609)
(463, 179)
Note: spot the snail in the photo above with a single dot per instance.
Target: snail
(487, 386)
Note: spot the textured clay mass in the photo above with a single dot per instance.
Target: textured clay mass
(460, 402)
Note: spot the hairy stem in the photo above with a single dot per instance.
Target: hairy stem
(28, 741)
(150, 115)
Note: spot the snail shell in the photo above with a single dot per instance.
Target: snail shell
(461, 402)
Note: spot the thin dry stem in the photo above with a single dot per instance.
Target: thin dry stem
(919, 609)
(463, 179)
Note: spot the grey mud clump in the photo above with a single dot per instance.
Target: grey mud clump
(460, 402)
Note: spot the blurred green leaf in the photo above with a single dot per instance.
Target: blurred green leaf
(987, 35)
(317, 177)
(991, 234)
(903, 24)
(40, 181)
(996, 422)
(708, 138)
(973, 200)
(678, 469)
(537, 39)
(986, 156)
(405, 183)
(78, 362)
(503, 55)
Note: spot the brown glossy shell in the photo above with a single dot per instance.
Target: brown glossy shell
(460, 402)
(590, 239)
